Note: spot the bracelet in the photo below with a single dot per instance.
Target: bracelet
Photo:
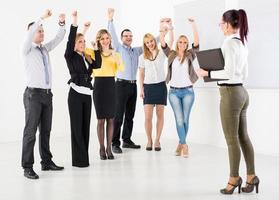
(61, 23)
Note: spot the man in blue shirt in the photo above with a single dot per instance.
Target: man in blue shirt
(126, 87)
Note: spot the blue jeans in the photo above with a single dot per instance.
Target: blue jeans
(181, 101)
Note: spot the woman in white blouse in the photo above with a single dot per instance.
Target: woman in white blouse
(234, 99)
(153, 88)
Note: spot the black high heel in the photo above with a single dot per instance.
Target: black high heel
(250, 186)
(103, 155)
(238, 184)
(110, 155)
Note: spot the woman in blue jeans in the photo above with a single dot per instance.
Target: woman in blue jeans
(181, 77)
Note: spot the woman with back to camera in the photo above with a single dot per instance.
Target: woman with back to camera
(80, 66)
(234, 99)
(181, 77)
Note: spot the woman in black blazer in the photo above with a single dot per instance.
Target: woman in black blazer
(79, 100)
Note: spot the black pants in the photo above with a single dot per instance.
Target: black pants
(38, 113)
(80, 115)
(126, 97)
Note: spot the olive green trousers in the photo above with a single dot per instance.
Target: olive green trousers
(233, 108)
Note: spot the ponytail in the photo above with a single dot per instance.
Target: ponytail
(243, 25)
(237, 19)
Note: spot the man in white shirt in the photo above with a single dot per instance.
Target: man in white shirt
(38, 95)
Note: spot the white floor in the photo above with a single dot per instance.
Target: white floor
(135, 174)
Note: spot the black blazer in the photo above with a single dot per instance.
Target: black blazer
(80, 75)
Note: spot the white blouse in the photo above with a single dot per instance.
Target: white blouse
(236, 61)
(153, 69)
(180, 74)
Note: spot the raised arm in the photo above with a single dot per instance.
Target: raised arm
(163, 31)
(72, 37)
(60, 34)
(32, 31)
(170, 29)
(86, 26)
(111, 29)
(195, 32)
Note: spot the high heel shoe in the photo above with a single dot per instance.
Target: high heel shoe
(110, 155)
(157, 147)
(149, 147)
(178, 150)
(238, 184)
(250, 186)
(185, 151)
(103, 155)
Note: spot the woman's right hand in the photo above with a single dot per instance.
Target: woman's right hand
(74, 15)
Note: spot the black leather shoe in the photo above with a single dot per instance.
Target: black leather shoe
(116, 149)
(51, 167)
(130, 145)
(29, 173)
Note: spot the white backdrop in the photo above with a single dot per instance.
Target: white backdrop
(141, 17)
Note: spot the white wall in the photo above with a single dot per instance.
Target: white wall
(141, 17)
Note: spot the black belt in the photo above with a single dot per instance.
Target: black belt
(39, 90)
(126, 81)
(230, 84)
(190, 86)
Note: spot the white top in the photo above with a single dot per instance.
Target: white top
(33, 60)
(153, 69)
(236, 61)
(81, 89)
(180, 74)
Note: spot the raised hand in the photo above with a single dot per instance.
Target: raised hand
(94, 45)
(62, 18)
(47, 14)
(74, 15)
(87, 25)
(110, 13)
(191, 20)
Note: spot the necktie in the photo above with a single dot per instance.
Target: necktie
(45, 64)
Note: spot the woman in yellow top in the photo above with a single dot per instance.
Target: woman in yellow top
(104, 90)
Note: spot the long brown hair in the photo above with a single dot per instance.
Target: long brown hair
(147, 54)
(186, 52)
(99, 36)
(238, 19)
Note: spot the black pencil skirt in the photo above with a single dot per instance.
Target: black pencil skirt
(104, 97)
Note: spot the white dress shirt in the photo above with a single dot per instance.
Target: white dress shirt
(153, 69)
(33, 60)
(236, 61)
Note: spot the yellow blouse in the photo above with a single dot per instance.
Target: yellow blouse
(109, 66)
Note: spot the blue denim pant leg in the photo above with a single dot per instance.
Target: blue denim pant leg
(181, 101)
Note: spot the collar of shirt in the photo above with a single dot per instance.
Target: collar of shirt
(231, 36)
(126, 47)
(36, 45)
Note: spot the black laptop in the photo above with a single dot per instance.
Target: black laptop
(211, 59)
